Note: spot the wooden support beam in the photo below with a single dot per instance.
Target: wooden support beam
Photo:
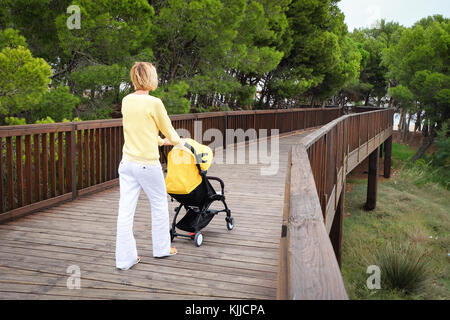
(337, 227)
(387, 157)
(372, 180)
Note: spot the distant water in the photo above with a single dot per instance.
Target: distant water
(397, 120)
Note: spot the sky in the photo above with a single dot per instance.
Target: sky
(363, 13)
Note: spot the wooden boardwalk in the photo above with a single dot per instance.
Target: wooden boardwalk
(36, 250)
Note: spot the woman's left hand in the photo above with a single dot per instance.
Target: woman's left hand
(167, 142)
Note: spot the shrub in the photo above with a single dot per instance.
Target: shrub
(403, 268)
(441, 157)
(45, 120)
(57, 104)
(13, 121)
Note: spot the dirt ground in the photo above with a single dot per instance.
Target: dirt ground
(413, 140)
(361, 171)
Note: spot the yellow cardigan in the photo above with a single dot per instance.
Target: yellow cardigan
(143, 117)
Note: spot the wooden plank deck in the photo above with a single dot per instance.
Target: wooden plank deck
(36, 250)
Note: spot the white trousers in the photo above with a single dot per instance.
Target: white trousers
(132, 178)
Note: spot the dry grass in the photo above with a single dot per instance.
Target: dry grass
(407, 215)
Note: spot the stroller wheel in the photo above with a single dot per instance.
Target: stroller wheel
(198, 239)
(230, 223)
(172, 235)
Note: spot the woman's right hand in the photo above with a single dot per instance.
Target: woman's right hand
(166, 142)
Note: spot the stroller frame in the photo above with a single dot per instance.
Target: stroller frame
(197, 236)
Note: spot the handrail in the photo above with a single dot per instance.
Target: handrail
(315, 181)
(341, 145)
(44, 164)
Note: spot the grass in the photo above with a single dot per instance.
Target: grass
(401, 154)
(422, 172)
(408, 215)
(404, 268)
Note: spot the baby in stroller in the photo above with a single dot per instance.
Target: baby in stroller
(187, 183)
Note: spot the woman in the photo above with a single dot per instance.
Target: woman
(143, 117)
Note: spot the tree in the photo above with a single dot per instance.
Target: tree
(320, 59)
(173, 95)
(58, 104)
(112, 36)
(99, 87)
(404, 99)
(194, 44)
(419, 62)
(11, 38)
(23, 80)
(262, 44)
(35, 19)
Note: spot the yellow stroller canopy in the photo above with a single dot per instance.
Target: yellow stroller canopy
(183, 164)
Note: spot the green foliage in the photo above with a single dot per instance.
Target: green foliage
(224, 54)
(111, 30)
(13, 121)
(401, 154)
(260, 35)
(419, 62)
(100, 82)
(345, 72)
(35, 19)
(320, 59)
(403, 268)
(23, 80)
(99, 87)
(407, 214)
(402, 95)
(194, 43)
(372, 42)
(441, 157)
(173, 95)
(433, 169)
(95, 109)
(47, 119)
(11, 38)
(113, 35)
(57, 104)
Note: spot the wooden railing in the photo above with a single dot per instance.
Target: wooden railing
(313, 212)
(44, 164)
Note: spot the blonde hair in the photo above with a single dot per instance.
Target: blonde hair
(144, 76)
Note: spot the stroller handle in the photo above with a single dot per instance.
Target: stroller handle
(222, 184)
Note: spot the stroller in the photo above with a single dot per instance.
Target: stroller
(187, 183)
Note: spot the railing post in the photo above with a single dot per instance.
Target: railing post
(1, 175)
(74, 157)
(304, 119)
(225, 130)
(359, 134)
(274, 119)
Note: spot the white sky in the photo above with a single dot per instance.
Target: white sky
(363, 13)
